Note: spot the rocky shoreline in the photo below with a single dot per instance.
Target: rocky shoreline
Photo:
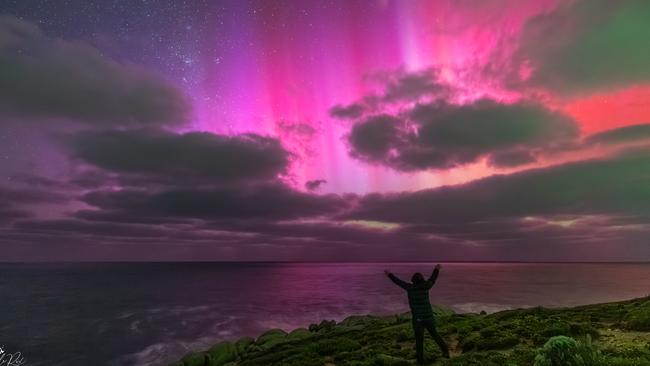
(617, 334)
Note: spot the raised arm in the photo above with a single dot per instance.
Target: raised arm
(434, 275)
(397, 281)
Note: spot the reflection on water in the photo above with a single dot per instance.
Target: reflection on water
(137, 313)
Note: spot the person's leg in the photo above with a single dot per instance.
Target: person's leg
(419, 341)
(431, 327)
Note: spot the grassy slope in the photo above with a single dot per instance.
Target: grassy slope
(505, 338)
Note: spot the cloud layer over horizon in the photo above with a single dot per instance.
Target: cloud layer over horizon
(471, 155)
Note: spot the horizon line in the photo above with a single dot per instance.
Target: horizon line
(324, 262)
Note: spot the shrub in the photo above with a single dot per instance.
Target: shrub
(638, 319)
(589, 353)
(500, 341)
(335, 345)
(489, 331)
(566, 351)
(464, 330)
(403, 335)
(469, 342)
(555, 329)
(583, 329)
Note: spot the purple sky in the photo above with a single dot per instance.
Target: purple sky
(325, 130)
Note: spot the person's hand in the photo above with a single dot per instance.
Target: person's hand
(438, 266)
(387, 272)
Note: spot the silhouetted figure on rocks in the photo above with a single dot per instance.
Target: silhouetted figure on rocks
(421, 312)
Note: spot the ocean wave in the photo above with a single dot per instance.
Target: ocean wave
(477, 307)
(171, 349)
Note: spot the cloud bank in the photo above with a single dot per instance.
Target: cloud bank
(586, 46)
(193, 157)
(440, 135)
(44, 79)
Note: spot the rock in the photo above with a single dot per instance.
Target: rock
(177, 363)
(221, 353)
(196, 359)
(300, 333)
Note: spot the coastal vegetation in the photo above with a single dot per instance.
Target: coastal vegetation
(611, 334)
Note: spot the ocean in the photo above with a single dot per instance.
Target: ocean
(154, 313)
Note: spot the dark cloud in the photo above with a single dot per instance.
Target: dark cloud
(28, 196)
(263, 239)
(548, 238)
(9, 213)
(613, 186)
(46, 78)
(411, 86)
(335, 240)
(350, 111)
(441, 135)
(374, 138)
(313, 185)
(397, 86)
(588, 45)
(16, 203)
(93, 179)
(552, 213)
(36, 181)
(268, 201)
(621, 135)
(195, 157)
(490, 125)
(125, 240)
(81, 227)
(511, 158)
(123, 216)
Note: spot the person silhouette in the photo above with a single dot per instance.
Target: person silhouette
(421, 312)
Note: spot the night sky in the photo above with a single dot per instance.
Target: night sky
(325, 130)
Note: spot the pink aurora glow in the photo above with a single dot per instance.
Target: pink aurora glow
(286, 75)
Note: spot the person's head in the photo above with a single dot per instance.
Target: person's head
(417, 278)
